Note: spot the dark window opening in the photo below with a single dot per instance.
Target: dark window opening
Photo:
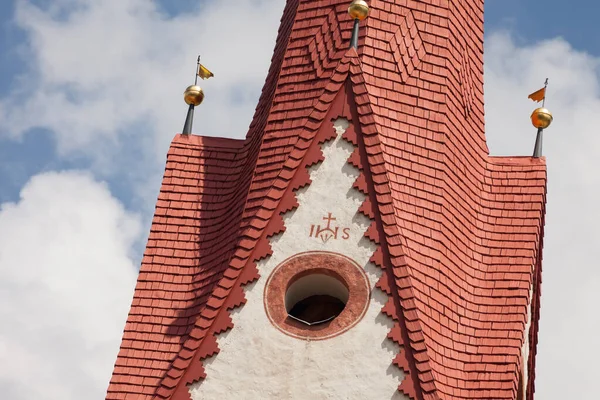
(317, 309)
(316, 298)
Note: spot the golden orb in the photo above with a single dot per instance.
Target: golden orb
(359, 9)
(193, 95)
(541, 118)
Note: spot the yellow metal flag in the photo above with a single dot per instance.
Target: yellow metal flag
(203, 72)
(538, 95)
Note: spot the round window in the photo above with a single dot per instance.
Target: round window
(316, 298)
(316, 295)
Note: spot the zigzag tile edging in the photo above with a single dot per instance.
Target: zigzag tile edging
(407, 386)
(255, 246)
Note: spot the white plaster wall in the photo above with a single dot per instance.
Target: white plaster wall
(257, 361)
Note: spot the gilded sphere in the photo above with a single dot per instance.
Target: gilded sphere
(541, 118)
(359, 9)
(193, 95)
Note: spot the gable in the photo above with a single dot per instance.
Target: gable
(264, 357)
(456, 233)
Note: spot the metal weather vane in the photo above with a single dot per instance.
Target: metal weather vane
(541, 118)
(202, 72)
(194, 95)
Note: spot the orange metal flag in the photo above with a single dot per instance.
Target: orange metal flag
(538, 95)
(203, 72)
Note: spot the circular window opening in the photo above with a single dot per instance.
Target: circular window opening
(316, 295)
(316, 298)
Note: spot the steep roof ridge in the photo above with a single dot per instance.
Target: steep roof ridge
(471, 377)
(265, 102)
(252, 246)
(136, 375)
(462, 40)
(256, 133)
(260, 125)
(173, 280)
(394, 242)
(468, 204)
(467, 209)
(522, 187)
(406, 133)
(305, 72)
(405, 101)
(462, 109)
(536, 194)
(480, 266)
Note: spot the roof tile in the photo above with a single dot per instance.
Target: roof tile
(459, 232)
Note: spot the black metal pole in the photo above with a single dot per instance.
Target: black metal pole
(354, 39)
(197, 71)
(537, 150)
(189, 121)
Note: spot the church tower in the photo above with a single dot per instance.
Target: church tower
(360, 243)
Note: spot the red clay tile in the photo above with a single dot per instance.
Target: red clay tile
(459, 233)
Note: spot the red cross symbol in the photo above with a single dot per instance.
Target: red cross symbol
(328, 218)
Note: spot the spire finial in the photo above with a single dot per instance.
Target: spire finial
(194, 95)
(541, 118)
(358, 10)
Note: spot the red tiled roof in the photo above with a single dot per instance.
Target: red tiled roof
(459, 232)
(204, 191)
(191, 239)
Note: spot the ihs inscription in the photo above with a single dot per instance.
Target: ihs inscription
(330, 231)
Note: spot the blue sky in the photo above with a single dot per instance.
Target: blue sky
(35, 151)
(90, 97)
(528, 21)
(532, 21)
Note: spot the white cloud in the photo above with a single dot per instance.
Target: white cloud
(66, 281)
(105, 73)
(107, 77)
(567, 353)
